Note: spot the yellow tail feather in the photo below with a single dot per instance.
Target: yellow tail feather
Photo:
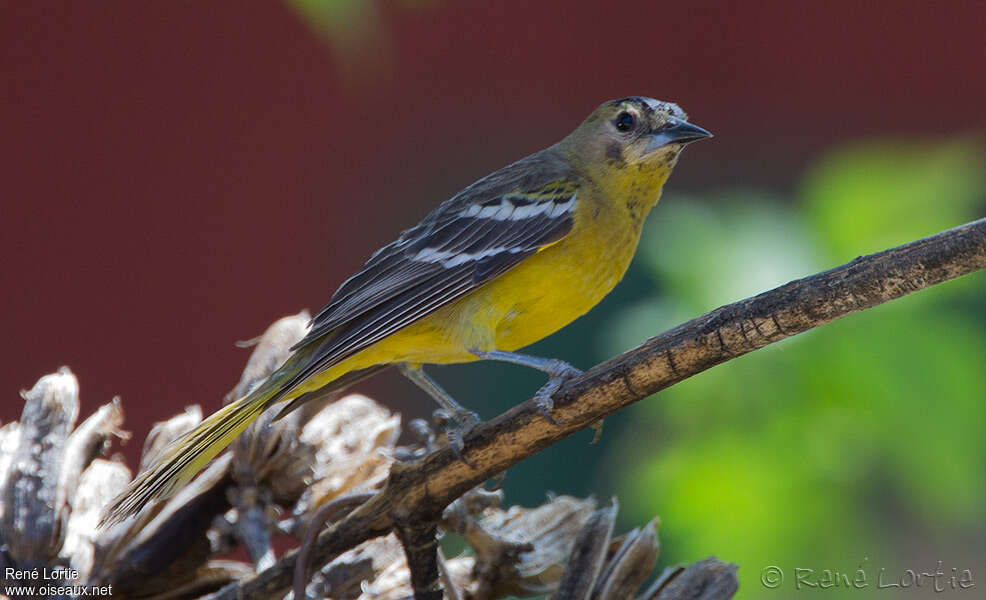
(184, 457)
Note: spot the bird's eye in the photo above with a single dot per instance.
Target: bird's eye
(624, 121)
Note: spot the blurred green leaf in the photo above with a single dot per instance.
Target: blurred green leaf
(742, 242)
(362, 45)
(875, 195)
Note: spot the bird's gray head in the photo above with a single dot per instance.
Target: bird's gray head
(633, 132)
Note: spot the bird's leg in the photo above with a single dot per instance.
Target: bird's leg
(558, 370)
(462, 419)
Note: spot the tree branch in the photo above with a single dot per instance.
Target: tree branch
(420, 490)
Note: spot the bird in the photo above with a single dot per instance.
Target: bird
(505, 262)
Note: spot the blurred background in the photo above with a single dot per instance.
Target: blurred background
(178, 175)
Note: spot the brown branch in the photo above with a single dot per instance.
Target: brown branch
(420, 490)
(420, 542)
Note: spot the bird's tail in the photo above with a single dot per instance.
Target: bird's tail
(183, 458)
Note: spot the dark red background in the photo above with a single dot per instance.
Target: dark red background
(177, 175)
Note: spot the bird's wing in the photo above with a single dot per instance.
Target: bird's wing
(466, 242)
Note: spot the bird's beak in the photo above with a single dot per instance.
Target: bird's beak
(676, 132)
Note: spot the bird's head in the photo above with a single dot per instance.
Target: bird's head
(634, 137)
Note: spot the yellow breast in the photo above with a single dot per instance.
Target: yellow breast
(542, 294)
(559, 284)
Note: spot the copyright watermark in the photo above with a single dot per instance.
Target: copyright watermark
(772, 576)
(941, 578)
(33, 583)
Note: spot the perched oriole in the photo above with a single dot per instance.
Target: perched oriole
(504, 263)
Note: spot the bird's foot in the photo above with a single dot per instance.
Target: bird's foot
(456, 425)
(423, 442)
(560, 372)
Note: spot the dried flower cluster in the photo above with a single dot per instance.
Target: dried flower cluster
(283, 476)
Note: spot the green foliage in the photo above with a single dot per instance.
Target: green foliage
(860, 442)
(876, 195)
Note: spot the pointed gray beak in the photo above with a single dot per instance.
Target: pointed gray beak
(676, 131)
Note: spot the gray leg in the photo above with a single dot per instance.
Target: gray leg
(558, 370)
(431, 387)
(462, 419)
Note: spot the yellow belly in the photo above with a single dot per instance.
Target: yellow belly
(542, 294)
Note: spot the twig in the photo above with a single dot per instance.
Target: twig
(451, 591)
(420, 490)
(318, 520)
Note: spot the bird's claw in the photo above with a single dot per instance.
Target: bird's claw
(560, 373)
(544, 401)
(456, 426)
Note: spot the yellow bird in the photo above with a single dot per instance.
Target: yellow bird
(507, 261)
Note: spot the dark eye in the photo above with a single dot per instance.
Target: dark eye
(624, 121)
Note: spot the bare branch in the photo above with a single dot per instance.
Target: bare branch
(420, 543)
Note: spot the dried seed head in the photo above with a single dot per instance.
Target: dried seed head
(271, 465)
(165, 432)
(391, 578)
(98, 484)
(353, 439)
(588, 554)
(272, 348)
(707, 579)
(87, 441)
(523, 551)
(10, 439)
(141, 553)
(628, 564)
(34, 515)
